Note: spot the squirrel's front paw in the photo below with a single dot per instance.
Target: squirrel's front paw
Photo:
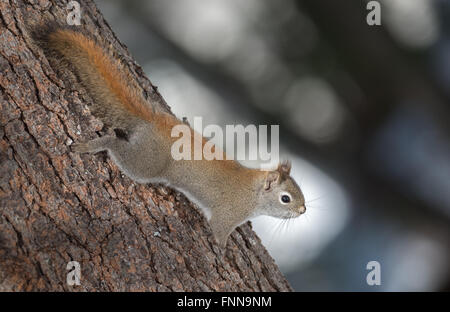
(80, 147)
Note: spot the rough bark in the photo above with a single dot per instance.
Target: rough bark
(57, 206)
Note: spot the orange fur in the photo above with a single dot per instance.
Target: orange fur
(108, 69)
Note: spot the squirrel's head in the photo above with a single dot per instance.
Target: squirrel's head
(281, 197)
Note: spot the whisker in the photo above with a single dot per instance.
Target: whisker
(285, 225)
(314, 199)
(289, 223)
(318, 207)
(307, 217)
(275, 231)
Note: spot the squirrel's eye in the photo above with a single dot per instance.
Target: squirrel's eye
(285, 198)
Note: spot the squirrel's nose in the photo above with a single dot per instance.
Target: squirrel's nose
(302, 209)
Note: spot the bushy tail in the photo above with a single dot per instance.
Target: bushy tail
(117, 97)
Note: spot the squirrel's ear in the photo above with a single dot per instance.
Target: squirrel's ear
(285, 167)
(272, 178)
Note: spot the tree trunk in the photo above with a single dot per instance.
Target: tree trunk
(57, 206)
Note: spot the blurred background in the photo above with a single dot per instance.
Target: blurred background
(364, 115)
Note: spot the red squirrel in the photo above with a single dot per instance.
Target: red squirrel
(227, 192)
